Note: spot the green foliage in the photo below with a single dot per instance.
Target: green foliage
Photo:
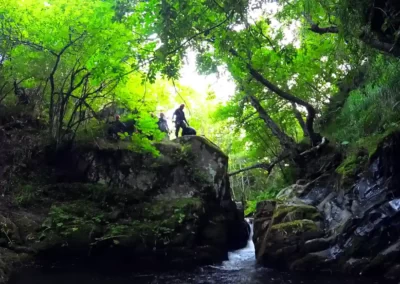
(68, 218)
(296, 227)
(26, 195)
(82, 56)
(152, 222)
(157, 221)
(370, 111)
(276, 181)
(75, 58)
(351, 165)
(252, 203)
(90, 131)
(295, 212)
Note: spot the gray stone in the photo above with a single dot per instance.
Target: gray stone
(355, 266)
(316, 245)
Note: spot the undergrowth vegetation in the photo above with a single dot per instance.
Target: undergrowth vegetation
(371, 110)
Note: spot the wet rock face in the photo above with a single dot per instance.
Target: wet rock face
(10, 260)
(127, 209)
(262, 222)
(214, 164)
(326, 225)
(290, 227)
(187, 167)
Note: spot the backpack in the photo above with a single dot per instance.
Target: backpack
(188, 131)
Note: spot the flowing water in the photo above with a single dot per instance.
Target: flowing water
(241, 268)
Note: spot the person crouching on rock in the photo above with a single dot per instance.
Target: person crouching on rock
(179, 115)
(187, 130)
(116, 127)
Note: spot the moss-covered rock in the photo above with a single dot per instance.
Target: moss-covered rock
(86, 223)
(316, 261)
(9, 231)
(359, 154)
(290, 192)
(8, 261)
(284, 241)
(353, 224)
(292, 212)
(305, 229)
(262, 221)
(106, 201)
(292, 225)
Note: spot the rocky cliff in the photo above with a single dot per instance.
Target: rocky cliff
(107, 206)
(343, 218)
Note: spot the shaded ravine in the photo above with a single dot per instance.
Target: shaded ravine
(241, 268)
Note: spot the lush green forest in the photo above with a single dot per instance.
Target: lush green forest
(308, 72)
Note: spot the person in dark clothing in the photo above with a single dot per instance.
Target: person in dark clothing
(117, 127)
(163, 124)
(179, 119)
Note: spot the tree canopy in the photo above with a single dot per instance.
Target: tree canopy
(307, 70)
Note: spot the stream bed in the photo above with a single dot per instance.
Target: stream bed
(241, 268)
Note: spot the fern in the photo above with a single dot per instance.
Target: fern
(372, 109)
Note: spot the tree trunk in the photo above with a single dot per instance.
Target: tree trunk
(300, 119)
(286, 141)
(315, 137)
(242, 180)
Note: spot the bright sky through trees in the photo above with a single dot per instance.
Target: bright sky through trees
(222, 84)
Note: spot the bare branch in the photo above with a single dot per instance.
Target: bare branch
(248, 117)
(266, 166)
(382, 46)
(327, 30)
(389, 48)
(31, 44)
(317, 29)
(269, 166)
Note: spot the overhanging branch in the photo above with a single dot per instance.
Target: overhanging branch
(382, 46)
(266, 166)
(390, 48)
(269, 166)
(317, 29)
(327, 30)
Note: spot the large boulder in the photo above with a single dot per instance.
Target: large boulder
(8, 261)
(109, 206)
(291, 226)
(346, 220)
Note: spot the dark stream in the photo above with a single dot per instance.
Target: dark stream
(239, 269)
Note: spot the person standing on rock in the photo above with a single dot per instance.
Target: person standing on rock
(163, 125)
(179, 119)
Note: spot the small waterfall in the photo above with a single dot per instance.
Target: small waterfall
(250, 244)
(243, 258)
